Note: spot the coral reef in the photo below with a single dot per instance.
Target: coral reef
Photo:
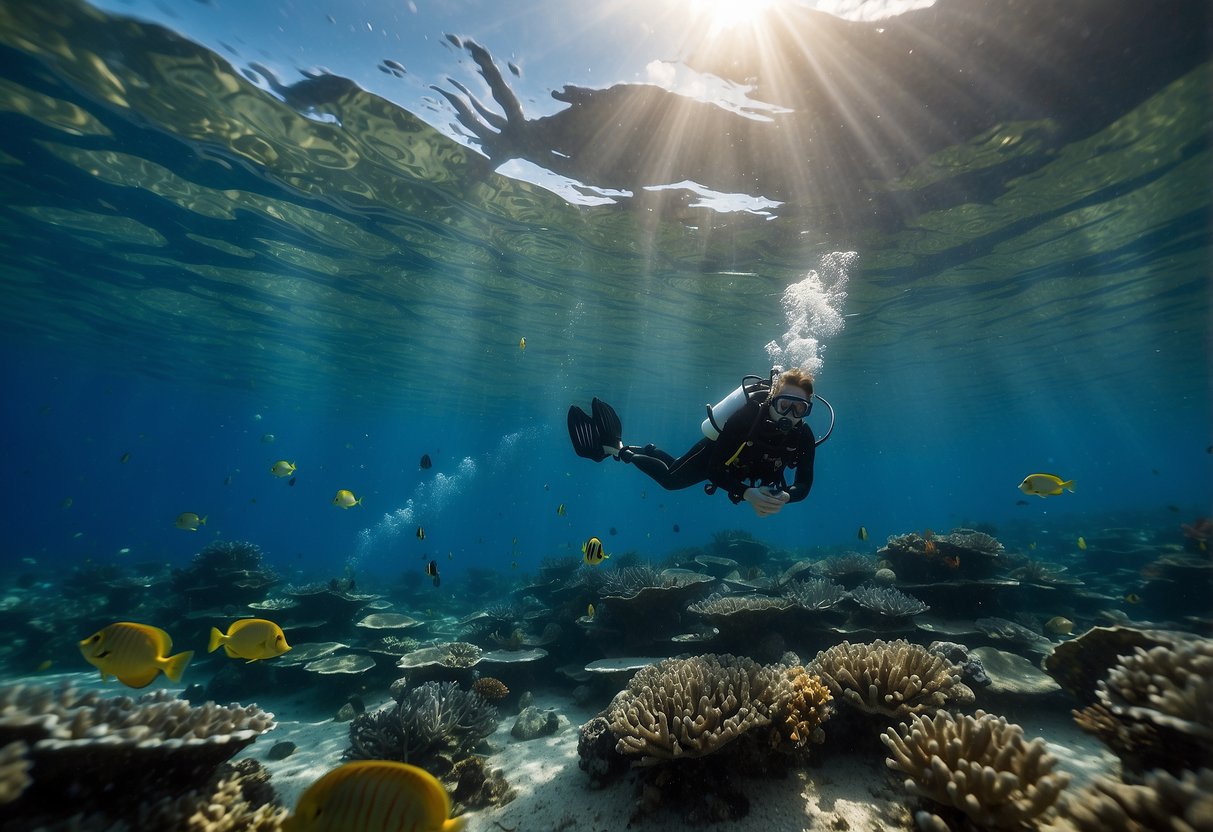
(80, 744)
(1080, 663)
(893, 679)
(14, 771)
(718, 605)
(1180, 804)
(491, 689)
(799, 718)
(431, 726)
(473, 786)
(596, 752)
(978, 764)
(691, 707)
(887, 601)
(630, 580)
(225, 572)
(814, 594)
(1155, 707)
(850, 568)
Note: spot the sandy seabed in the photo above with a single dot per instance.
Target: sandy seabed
(849, 790)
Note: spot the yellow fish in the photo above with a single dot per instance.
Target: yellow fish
(522, 344)
(188, 521)
(282, 468)
(420, 533)
(372, 795)
(1045, 485)
(1059, 625)
(1133, 598)
(134, 653)
(1082, 544)
(863, 533)
(45, 665)
(251, 639)
(346, 499)
(560, 510)
(592, 552)
(589, 612)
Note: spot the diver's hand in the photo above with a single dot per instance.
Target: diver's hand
(764, 502)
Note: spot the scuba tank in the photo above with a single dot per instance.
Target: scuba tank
(720, 412)
(750, 387)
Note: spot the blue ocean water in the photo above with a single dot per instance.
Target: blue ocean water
(320, 234)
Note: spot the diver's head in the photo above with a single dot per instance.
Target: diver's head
(791, 399)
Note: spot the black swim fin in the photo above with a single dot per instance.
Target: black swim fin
(610, 428)
(585, 434)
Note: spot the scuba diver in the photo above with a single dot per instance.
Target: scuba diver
(751, 439)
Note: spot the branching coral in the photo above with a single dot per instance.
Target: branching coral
(1164, 802)
(980, 765)
(692, 707)
(814, 594)
(1170, 687)
(888, 601)
(893, 678)
(426, 723)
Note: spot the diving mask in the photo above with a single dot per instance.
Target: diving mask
(792, 406)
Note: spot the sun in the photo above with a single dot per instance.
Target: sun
(725, 15)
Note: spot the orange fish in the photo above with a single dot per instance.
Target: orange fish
(928, 548)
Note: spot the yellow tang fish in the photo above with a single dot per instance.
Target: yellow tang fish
(1045, 485)
(1082, 543)
(188, 521)
(374, 795)
(134, 653)
(346, 499)
(592, 552)
(282, 468)
(251, 639)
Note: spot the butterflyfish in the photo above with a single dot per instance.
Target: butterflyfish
(346, 499)
(522, 344)
(1082, 543)
(189, 522)
(374, 795)
(592, 553)
(589, 612)
(863, 533)
(250, 639)
(134, 653)
(431, 569)
(1045, 485)
(560, 510)
(420, 533)
(282, 468)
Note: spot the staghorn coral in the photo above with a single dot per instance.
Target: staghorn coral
(814, 594)
(1169, 686)
(427, 724)
(803, 709)
(893, 678)
(683, 708)
(980, 765)
(887, 601)
(1164, 802)
(490, 688)
(14, 771)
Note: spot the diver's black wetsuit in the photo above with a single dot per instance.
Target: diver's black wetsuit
(764, 460)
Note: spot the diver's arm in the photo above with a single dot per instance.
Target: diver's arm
(804, 469)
